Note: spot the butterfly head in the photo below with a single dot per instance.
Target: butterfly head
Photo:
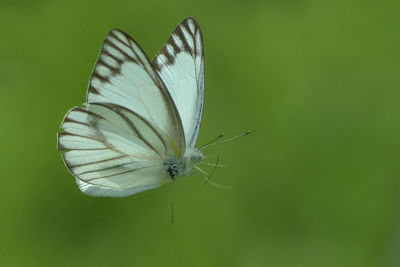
(195, 155)
(192, 158)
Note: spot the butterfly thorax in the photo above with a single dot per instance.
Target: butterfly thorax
(183, 165)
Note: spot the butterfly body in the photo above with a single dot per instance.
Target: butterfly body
(183, 165)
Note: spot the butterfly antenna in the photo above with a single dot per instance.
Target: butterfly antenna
(225, 141)
(171, 200)
(212, 141)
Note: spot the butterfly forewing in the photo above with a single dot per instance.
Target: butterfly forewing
(123, 75)
(180, 65)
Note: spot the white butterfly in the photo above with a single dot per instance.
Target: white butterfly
(140, 122)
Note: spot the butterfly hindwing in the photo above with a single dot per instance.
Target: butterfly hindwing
(180, 65)
(112, 148)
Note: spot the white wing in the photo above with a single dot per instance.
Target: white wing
(113, 151)
(99, 191)
(123, 75)
(180, 65)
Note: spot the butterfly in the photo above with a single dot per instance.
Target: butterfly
(138, 127)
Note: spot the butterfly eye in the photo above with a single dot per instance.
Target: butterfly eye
(196, 156)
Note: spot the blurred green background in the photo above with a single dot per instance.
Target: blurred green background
(316, 184)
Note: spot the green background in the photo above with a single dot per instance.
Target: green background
(315, 184)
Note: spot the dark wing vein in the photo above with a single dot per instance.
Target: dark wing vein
(117, 50)
(119, 173)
